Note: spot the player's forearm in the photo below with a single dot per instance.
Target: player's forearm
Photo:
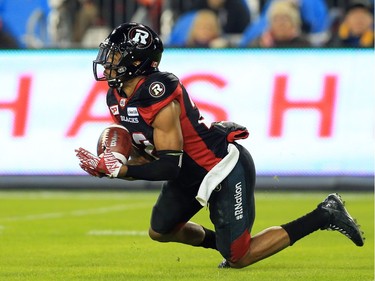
(167, 167)
(150, 171)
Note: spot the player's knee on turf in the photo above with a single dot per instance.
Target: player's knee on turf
(234, 252)
(156, 236)
(238, 264)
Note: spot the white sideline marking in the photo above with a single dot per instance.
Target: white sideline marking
(57, 195)
(76, 213)
(110, 232)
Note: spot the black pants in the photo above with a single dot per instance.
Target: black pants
(232, 207)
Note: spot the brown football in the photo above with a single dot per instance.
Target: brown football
(118, 139)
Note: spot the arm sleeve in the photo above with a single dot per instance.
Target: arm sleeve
(167, 167)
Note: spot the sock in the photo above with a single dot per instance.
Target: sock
(209, 240)
(305, 225)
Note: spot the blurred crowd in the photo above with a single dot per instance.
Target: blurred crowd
(37, 24)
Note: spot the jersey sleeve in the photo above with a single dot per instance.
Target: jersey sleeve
(159, 90)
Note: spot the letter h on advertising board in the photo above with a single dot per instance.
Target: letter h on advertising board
(325, 106)
(19, 107)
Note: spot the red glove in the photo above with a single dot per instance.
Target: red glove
(110, 164)
(107, 165)
(88, 162)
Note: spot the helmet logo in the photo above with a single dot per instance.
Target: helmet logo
(140, 36)
(156, 89)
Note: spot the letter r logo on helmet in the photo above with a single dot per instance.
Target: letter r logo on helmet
(141, 36)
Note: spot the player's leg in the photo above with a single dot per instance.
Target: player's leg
(264, 244)
(188, 233)
(232, 209)
(171, 214)
(232, 212)
(330, 214)
(274, 239)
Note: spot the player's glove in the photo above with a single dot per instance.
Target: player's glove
(88, 162)
(110, 164)
(231, 130)
(107, 165)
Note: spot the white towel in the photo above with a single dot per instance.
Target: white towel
(217, 174)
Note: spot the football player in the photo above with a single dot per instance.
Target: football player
(200, 165)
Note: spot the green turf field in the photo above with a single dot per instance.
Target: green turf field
(102, 236)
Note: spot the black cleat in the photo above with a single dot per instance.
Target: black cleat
(224, 264)
(340, 219)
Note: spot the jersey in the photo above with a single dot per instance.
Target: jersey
(203, 147)
(231, 204)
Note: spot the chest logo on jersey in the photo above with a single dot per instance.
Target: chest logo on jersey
(132, 111)
(122, 102)
(114, 110)
(156, 89)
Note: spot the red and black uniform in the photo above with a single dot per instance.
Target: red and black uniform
(203, 148)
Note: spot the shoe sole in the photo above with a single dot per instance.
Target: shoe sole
(336, 197)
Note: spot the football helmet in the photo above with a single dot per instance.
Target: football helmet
(131, 50)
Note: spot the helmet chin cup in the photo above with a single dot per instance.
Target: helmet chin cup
(115, 83)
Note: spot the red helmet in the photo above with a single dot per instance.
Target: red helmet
(140, 48)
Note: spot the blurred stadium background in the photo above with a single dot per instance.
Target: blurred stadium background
(310, 112)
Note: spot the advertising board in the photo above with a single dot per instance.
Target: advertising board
(309, 112)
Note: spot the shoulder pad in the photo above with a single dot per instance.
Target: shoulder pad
(160, 84)
(157, 87)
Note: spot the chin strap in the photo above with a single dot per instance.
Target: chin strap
(115, 83)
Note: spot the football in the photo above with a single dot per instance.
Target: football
(118, 139)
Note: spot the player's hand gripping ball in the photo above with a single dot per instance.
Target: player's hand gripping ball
(113, 149)
(118, 139)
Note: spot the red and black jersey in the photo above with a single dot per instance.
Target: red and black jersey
(203, 148)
